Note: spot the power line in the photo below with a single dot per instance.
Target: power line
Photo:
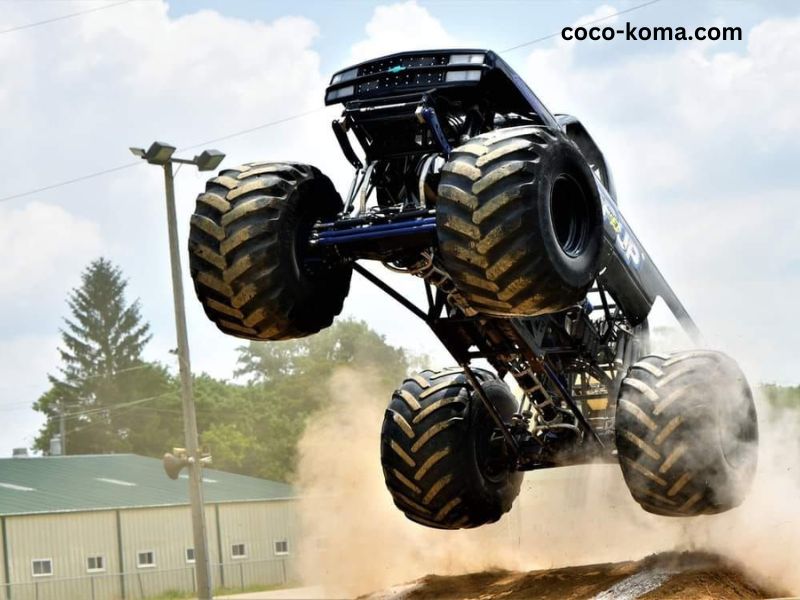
(69, 181)
(133, 164)
(118, 405)
(128, 409)
(90, 424)
(63, 17)
(592, 22)
(116, 372)
(269, 123)
(252, 129)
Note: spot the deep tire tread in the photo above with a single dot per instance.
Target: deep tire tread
(423, 441)
(486, 217)
(242, 270)
(664, 412)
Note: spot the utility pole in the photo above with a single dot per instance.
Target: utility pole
(189, 417)
(161, 154)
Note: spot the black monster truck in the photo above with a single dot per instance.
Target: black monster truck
(508, 215)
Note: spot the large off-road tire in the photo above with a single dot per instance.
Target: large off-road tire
(443, 460)
(246, 249)
(687, 433)
(519, 222)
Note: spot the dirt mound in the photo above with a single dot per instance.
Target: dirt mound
(690, 575)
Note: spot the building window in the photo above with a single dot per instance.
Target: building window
(146, 559)
(281, 547)
(42, 567)
(190, 555)
(238, 551)
(95, 564)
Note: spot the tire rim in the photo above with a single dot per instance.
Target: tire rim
(490, 452)
(739, 432)
(570, 215)
(305, 263)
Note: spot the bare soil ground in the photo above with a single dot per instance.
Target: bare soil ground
(695, 576)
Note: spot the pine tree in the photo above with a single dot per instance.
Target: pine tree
(104, 336)
(102, 376)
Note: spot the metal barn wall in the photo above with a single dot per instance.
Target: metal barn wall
(258, 525)
(167, 532)
(67, 539)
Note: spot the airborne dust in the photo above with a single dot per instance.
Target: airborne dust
(358, 542)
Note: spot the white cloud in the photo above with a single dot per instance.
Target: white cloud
(666, 117)
(733, 262)
(44, 248)
(131, 74)
(602, 16)
(398, 27)
(205, 60)
(26, 360)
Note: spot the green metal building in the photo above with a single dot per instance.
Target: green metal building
(106, 527)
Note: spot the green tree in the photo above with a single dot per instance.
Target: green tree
(348, 342)
(104, 385)
(254, 429)
(781, 397)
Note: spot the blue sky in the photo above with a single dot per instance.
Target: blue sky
(702, 138)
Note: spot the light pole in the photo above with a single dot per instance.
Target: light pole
(161, 154)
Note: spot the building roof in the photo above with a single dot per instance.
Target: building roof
(109, 481)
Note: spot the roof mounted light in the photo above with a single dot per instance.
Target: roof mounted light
(340, 93)
(468, 75)
(466, 59)
(344, 76)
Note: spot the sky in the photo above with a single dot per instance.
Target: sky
(702, 137)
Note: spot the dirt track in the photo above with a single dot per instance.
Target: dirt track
(684, 576)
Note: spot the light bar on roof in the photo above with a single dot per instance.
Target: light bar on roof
(470, 75)
(340, 93)
(466, 59)
(344, 76)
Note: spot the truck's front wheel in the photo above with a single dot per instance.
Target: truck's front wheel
(519, 222)
(247, 241)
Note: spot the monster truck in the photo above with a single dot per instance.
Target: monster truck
(508, 215)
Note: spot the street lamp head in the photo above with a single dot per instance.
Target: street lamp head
(208, 160)
(159, 153)
(137, 151)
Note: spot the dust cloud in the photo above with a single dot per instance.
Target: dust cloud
(355, 541)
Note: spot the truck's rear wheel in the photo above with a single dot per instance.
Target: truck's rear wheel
(687, 433)
(444, 462)
(246, 251)
(519, 222)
